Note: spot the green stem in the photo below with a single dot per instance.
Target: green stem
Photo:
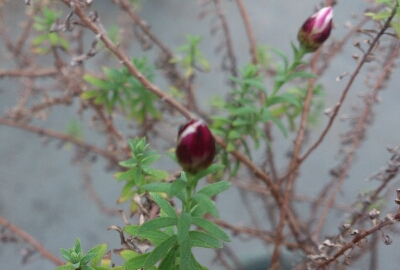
(298, 55)
(192, 183)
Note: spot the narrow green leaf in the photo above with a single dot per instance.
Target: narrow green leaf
(86, 267)
(300, 74)
(164, 205)
(198, 211)
(158, 223)
(213, 168)
(150, 235)
(88, 257)
(177, 186)
(159, 251)
(66, 267)
(202, 239)
(280, 125)
(168, 262)
(185, 254)
(136, 263)
(77, 246)
(207, 203)
(128, 254)
(211, 228)
(150, 159)
(214, 188)
(163, 187)
(102, 84)
(184, 222)
(66, 254)
(283, 56)
(234, 134)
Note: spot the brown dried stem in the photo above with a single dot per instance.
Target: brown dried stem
(249, 31)
(61, 136)
(357, 136)
(29, 239)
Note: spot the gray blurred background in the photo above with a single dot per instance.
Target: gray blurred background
(42, 192)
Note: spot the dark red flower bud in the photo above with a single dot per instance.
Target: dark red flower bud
(316, 29)
(195, 149)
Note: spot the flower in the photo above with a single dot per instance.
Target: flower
(316, 29)
(195, 149)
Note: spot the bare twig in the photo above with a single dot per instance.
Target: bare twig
(29, 239)
(61, 136)
(249, 31)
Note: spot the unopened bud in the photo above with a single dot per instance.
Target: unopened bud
(195, 149)
(316, 29)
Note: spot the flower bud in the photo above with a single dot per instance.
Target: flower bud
(316, 29)
(195, 149)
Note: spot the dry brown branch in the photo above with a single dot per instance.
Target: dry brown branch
(359, 237)
(37, 72)
(358, 132)
(32, 241)
(61, 136)
(249, 31)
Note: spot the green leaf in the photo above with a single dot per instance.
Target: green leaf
(152, 235)
(213, 168)
(162, 187)
(88, 257)
(128, 254)
(177, 186)
(39, 40)
(66, 267)
(102, 84)
(211, 228)
(66, 254)
(86, 267)
(280, 125)
(283, 56)
(201, 239)
(214, 188)
(164, 205)
(234, 134)
(89, 94)
(184, 222)
(150, 159)
(136, 263)
(207, 203)
(185, 254)
(168, 262)
(160, 251)
(300, 74)
(99, 250)
(77, 245)
(158, 223)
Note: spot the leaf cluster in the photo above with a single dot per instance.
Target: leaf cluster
(120, 90)
(193, 58)
(171, 234)
(139, 171)
(385, 14)
(76, 259)
(48, 40)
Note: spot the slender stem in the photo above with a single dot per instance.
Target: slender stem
(249, 31)
(297, 146)
(29, 239)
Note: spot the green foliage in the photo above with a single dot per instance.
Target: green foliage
(251, 106)
(171, 233)
(139, 171)
(74, 129)
(121, 89)
(193, 58)
(76, 259)
(48, 40)
(392, 6)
